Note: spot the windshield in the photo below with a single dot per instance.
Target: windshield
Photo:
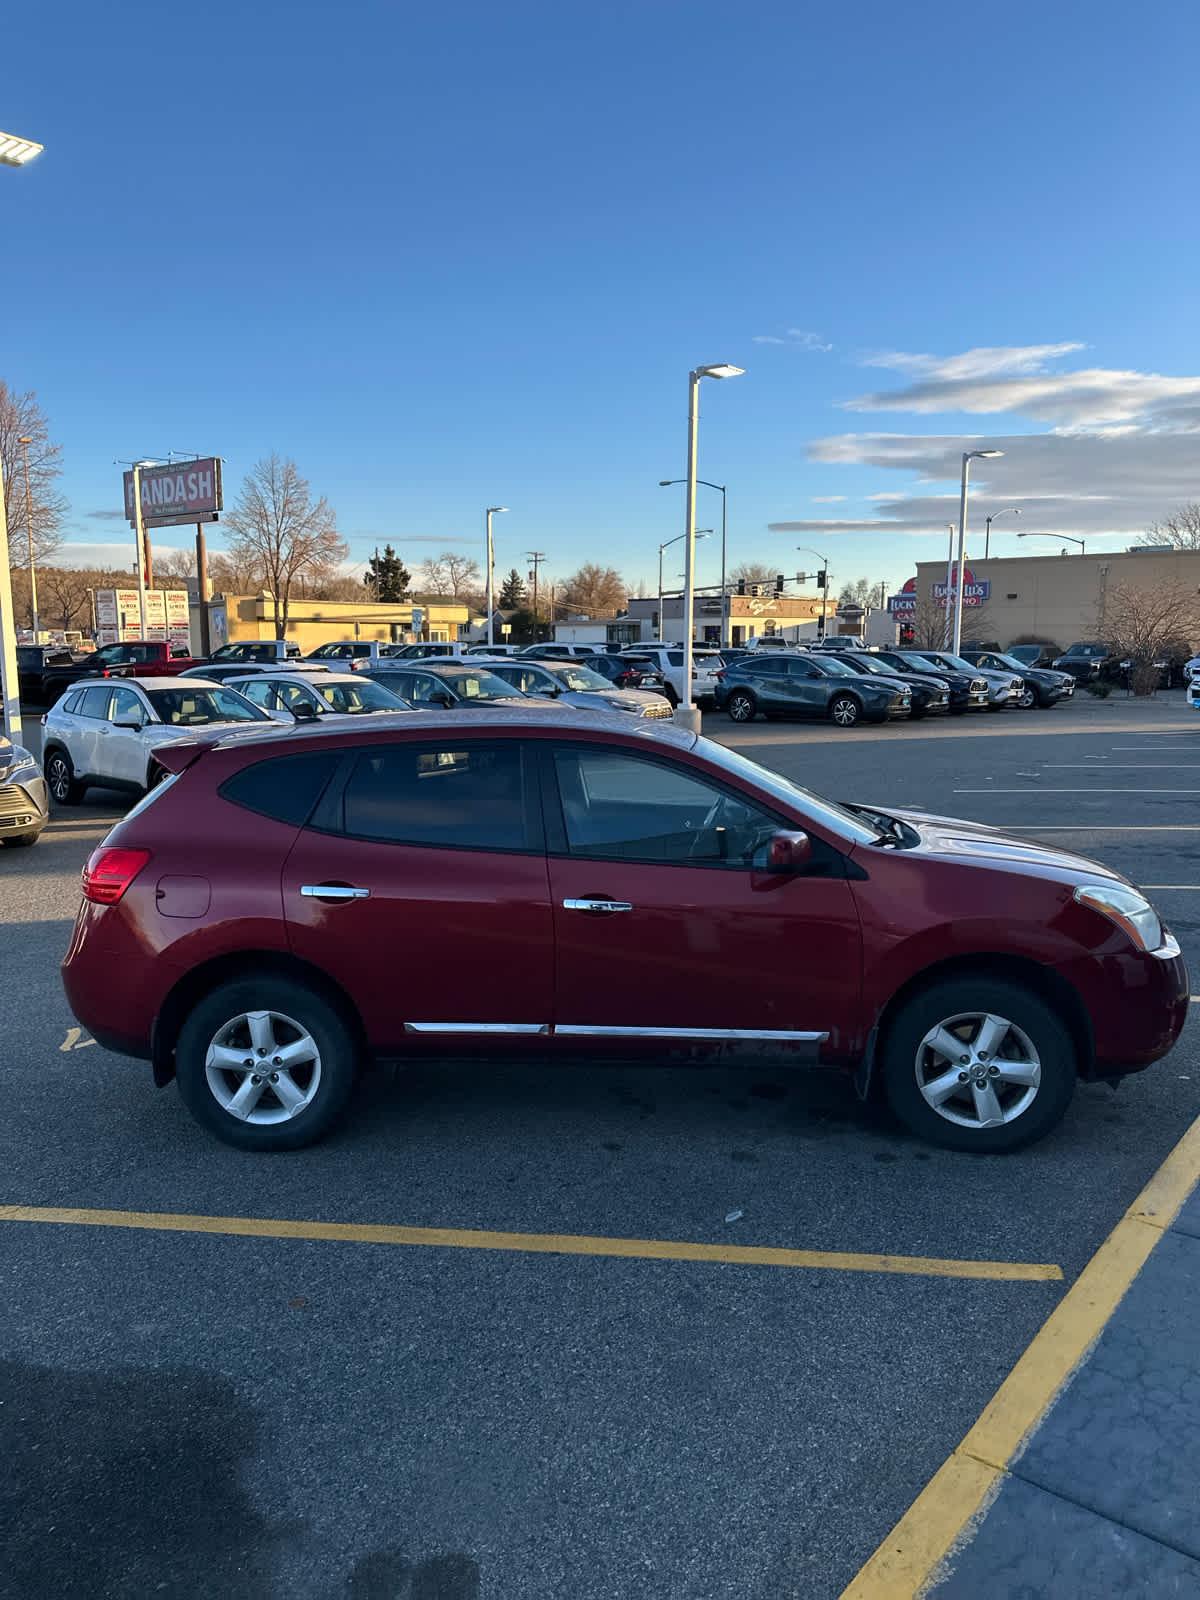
(1008, 661)
(360, 696)
(867, 663)
(834, 668)
(838, 818)
(920, 664)
(193, 708)
(1027, 654)
(580, 679)
(476, 683)
(956, 662)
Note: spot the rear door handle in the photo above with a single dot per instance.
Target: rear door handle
(333, 891)
(596, 904)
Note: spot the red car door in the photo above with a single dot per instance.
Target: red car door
(667, 923)
(421, 887)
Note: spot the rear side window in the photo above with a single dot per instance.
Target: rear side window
(675, 657)
(473, 797)
(284, 787)
(72, 702)
(94, 701)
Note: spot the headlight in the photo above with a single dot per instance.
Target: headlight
(1129, 910)
(617, 705)
(21, 758)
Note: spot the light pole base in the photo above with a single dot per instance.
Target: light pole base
(688, 718)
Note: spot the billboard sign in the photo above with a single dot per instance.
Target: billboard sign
(974, 593)
(904, 603)
(189, 491)
(119, 615)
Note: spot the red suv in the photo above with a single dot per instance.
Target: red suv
(292, 904)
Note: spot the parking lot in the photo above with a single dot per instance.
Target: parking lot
(476, 1385)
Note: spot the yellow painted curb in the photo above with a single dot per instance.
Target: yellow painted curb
(573, 1244)
(944, 1513)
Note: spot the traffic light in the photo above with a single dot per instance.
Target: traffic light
(741, 586)
(821, 580)
(779, 583)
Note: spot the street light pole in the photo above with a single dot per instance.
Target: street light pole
(949, 586)
(690, 717)
(967, 457)
(1068, 537)
(700, 535)
(987, 538)
(806, 550)
(25, 441)
(667, 483)
(139, 529)
(491, 562)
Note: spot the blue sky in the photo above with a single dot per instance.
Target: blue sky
(465, 255)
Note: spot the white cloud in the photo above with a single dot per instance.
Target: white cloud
(1119, 454)
(798, 338)
(826, 499)
(114, 557)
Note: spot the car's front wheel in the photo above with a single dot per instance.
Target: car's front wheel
(265, 1064)
(742, 707)
(1027, 698)
(845, 710)
(978, 1064)
(61, 779)
(15, 841)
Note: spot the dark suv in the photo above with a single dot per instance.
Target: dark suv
(780, 684)
(1087, 660)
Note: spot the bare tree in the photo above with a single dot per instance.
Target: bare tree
(276, 521)
(749, 572)
(599, 591)
(453, 576)
(235, 574)
(860, 592)
(1179, 531)
(174, 568)
(1143, 625)
(63, 598)
(22, 417)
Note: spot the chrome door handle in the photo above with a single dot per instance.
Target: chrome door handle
(597, 905)
(333, 891)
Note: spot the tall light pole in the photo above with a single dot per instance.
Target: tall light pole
(661, 548)
(25, 441)
(667, 483)
(967, 457)
(987, 538)
(491, 562)
(14, 152)
(949, 586)
(690, 717)
(1068, 537)
(139, 529)
(805, 551)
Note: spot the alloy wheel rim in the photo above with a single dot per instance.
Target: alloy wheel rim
(1026, 699)
(60, 779)
(263, 1067)
(740, 708)
(845, 712)
(978, 1070)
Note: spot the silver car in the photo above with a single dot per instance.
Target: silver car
(577, 685)
(24, 798)
(1004, 688)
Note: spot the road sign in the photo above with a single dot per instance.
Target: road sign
(418, 619)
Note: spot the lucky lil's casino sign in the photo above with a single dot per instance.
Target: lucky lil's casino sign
(975, 593)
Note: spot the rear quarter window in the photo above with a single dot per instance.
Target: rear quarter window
(285, 788)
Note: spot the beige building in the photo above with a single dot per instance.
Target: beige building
(1058, 597)
(314, 622)
(750, 617)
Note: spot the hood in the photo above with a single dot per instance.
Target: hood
(954, 837)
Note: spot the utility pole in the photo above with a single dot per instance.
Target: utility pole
(202, 591)
(537, 557)
(25, 441)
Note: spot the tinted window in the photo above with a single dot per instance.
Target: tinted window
(675, 657)
(94, 702)
(408, 794)
(285, 787)
(187, 708)
(765, 668)
(358, 697)
(126, 705)
(624, 808)
(72, 702)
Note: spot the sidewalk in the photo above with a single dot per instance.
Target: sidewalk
(1082, 1477)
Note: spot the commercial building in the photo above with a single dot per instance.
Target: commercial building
(750, 616)
(313, 622)
(1057, 597)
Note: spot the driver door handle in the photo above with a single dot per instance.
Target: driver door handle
(333, 891)
(595, 903)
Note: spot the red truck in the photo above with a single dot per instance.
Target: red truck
(148, 658)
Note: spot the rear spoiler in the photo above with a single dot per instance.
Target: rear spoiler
(179, 755)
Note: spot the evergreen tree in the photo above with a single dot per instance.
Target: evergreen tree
(387, 577)
(512, 594)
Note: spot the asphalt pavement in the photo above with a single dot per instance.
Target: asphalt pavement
(202, 1413)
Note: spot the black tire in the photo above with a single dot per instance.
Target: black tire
(1045, 700)
(59, 772)
(17, 841)
(846, 711)
(903, 1056)
(289, 1003)
(916, 712)
(1028, 698)
(156, 775)
(741, 706)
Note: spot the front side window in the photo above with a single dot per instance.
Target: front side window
(194, 708)
(477, 683)
(622, 807)
(358, 697)
(95, 701)
(581, 679)
(126, 707)
(471, 797)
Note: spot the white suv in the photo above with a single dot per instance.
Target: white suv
(102, 734)
(668, 660)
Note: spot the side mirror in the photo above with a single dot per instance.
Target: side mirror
(134, 724)
(304, 712)
(443, 700)
(788, 852)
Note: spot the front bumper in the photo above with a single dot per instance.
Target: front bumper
(24, 806)
(1141, 1013)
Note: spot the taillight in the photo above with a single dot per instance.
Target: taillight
(720, 677)
(109, 872)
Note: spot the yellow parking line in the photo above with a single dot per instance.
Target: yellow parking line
(570, 1244)
(955, 1499)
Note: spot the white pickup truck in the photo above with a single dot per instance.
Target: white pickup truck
(668, 659)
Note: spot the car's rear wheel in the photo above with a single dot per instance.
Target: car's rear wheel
(156, 775)
(742, 707)
(978, 1064)
(265, 1064)
(845, 710)
(61, 779)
